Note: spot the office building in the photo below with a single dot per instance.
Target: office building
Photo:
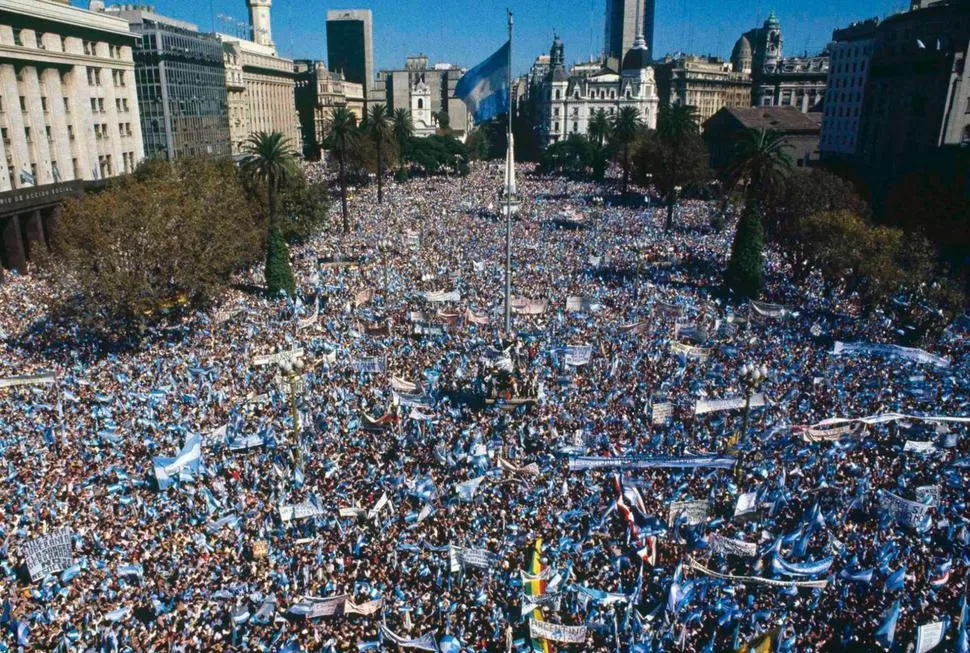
(181, 81)
(260, 84)
(849, 54)
(567, 99)
(319, 93)
(68, 113)
(625, 20)
(705, 83)
(350, 46)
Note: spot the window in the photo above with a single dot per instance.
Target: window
(23, 104)
(18, 36)
(5, 135)
(94, 104)
(97, 131)
(420, 103)
(27, 133)
(70, 133)
(101, 104)
(557, 126)
(50, 137)
(1, 104)
(76, 168)
(43, 104)
(575, 126)
(558, 94)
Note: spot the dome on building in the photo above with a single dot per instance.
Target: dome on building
(638, 56)
(742, 50)
(772, 20)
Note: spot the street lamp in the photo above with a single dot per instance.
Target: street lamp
(293, 372)
(751, 377)
(383, 245)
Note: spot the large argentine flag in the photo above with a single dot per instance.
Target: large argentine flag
(485, 88)
(168, 469)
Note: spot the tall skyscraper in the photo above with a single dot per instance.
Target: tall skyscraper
(350, 45)
(622, 28)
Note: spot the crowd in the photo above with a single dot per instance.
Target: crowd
(434, 454)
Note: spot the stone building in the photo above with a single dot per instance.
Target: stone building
(566, 100)
(68, 113)
(800, 131)
(260, 84)
(705, 83)
(318, 93)
(777, 81)
(849, 54)
(428, 93)
(181, 81)
(625, 21)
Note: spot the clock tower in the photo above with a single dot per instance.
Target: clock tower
(772, 41)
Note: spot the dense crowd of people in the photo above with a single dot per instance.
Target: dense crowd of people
(433, 453)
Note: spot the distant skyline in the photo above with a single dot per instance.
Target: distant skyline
(464, 32)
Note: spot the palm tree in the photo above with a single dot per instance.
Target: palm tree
(341, 139)
(676, 121)
(403, 129)
(625, 127)
(676, 129)
(270, 159)
(761, 163)
(599, 128)
(379, 130)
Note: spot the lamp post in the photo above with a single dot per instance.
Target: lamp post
(751, 376)
(383, 245)
(293, 373)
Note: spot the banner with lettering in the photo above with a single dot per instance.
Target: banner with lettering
(45, 378)
(755, 580)
(878, 349)
(694, 512)
(583, 463)
(577, 355)
(278, 358)
(442, 296)
(369, 365)
(581, 305)
(765, 309)
(661, 412)
(727, 546)
(480, 558)
(474, 318)
(424, 643)
(690, 351)
(526, 306)
(904, 511)
(48, 554)
(298, 511)
(730, 403)
(557, 632)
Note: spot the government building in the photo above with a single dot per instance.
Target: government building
(705, 83)
(69, 113)
(428, 92)
(319, 93)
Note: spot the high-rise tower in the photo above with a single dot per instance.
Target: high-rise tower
(350, 46)
(259, 21)
(623, 27)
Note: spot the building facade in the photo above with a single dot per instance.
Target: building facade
(319, 93)
(849, 54)
(568, 99)
(777, 81)
(625, 20)
(260, 85)
(181, 81)
(799, 130)
(68, 113)
(428, 92)
(917, 97)
(705, 83)
(350, 46)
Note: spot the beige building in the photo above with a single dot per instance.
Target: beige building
(705, 83)
(428, 92)
(319, 93)
(68, 113)
(260, 84)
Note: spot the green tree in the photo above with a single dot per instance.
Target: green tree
(760, 165)
(569, 157)
(279, 275)
(625, 127)
(171, 231)
(673, 156)
(379, 130)
(341, 140)
(270, 160)
(403, 129)
(303, 208)
(744, 272)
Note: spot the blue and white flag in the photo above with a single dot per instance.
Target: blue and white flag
(886, 633)
(467, 489)
(485, 88)
(188, 458)
(782, 567)
(424, 643)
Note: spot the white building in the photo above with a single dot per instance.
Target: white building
(567, 100)
(845, 91)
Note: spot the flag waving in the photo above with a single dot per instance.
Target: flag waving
(485, 88)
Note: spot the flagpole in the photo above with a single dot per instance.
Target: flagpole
(510, 162)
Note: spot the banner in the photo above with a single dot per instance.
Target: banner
(634, 327)
(928, 494)
(904, 511)
(582, 463)
(428, 329)
(694, 511)
(278, 358)
(919, 447)
(697, 334)
(424, 643)
(410, 400)
(369, 365)
(720, 544)
(557, 632)
(661, 412)
(747, 503)
(690, 351)
(670, 310)
(581, 305)
(188, 458)
(834, 434)
(412, 239)
(313, 607)
(526, 306)
(765, 309)
(338, 261)
(367, 608)
(577, 355)
(731, 403)
(532, 469)
(929, 636)
(246, 442)
(473, 318)
(48, 554)
(298, 511)
(45, 378)
(307, 322)
(400, 385)
(379, 329)
(754, 580)
(784, 568)
(480, 558)
(906, 353)
(363, 296)
(442, 296)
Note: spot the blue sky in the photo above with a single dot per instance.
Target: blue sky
(466, 31)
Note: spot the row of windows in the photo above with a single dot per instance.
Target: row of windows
(839, 53)
(89, 48)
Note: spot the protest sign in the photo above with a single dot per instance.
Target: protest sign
(904, 511)
(45, 378)
(298, 511)
(279, 358)
(720, 544)
(442, 296)
(694, 512)
(578, 355)
(48, 554)
(557, 632)
(731, 403)
(583, 463)
(661, 412)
